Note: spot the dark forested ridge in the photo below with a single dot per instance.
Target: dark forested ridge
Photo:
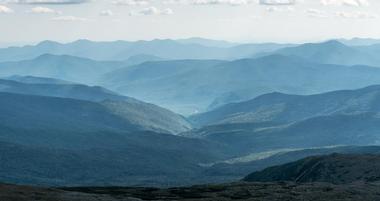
(335, 168)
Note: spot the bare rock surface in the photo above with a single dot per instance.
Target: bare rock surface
(281, 191)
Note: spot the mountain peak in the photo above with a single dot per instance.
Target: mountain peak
(82, 41)
(333, 43)
(280, 58)
(274, 57)
(49, 56)
(46, 55)
(48, 43)
(327, 44)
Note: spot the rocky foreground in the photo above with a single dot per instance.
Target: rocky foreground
(280, 191)
(321, 178)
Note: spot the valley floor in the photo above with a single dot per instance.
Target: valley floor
(236, 191)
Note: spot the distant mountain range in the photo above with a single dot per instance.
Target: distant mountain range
(195, 48)
(36, 80)
(188, 86)
(47, 140)
(191, 86)
(56, 88)
(207, 42)
(93, 113)
(53, 123)
(321, 131)
(360, 41)
(119, 108)
(165, 82)
(279, 121)
(285, 108)
(64, 67)
(333, 52)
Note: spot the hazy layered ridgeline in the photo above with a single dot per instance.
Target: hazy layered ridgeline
(190, 85)
(132, 111)
(167, 113)
(122, 50)
(334, 52)
(70, 68)
(210, 84)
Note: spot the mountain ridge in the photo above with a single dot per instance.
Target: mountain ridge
(332, 52)
(180, 87)
(325, 103)
(121, 50)
(65, 67)
(150, 116)
(335, 168)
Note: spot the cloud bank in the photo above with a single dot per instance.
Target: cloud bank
(47, 1)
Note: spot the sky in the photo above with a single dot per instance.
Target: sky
(27, 21)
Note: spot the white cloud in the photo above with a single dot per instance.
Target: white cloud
(167, 11)
(221, 2)
(70, 19)
(4, 9)
(345, 2)
(279, 9)
(316, 13)
(152, 11)
(210, 2)
(131, 2)
(277, 2)
(175, 2)
(47, 1)
(233, 2)
(106, 13)
(44, 10)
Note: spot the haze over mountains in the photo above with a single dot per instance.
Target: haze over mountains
(66, 141)
(189, 79)
(359, 41)
(64, 67)
(279, 121)
(286, 108)
(122, 50)
(333, 52)
(181, 112)
(108, 103)
(178, 84)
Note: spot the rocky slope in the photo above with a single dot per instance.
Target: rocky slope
(226, 192)
(335, 168)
